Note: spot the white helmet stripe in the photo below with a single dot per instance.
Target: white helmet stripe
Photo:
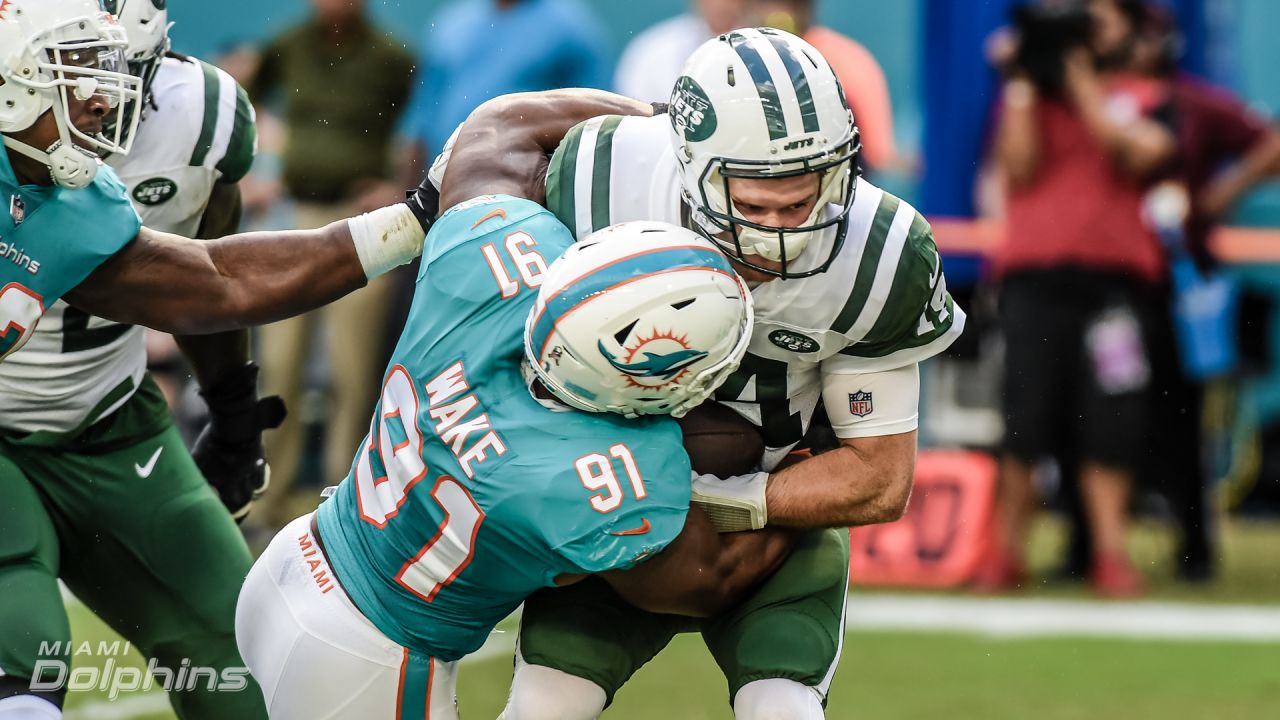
(799, 82)
(584, 174)
(783, 82)
(766, 87)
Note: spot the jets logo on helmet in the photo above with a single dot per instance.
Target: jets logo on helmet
(639, 318)
(691, 113)
(761, 104)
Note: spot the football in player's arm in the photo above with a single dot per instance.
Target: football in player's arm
(867, 479)
(498, 462)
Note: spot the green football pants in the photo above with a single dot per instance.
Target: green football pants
(124, 517)
(790, 628)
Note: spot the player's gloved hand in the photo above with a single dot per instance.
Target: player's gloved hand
(229, 449)
(733, 504)
(424, 203)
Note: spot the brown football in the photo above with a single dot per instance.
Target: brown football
(721, 442)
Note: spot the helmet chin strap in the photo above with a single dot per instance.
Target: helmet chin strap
(70, 166)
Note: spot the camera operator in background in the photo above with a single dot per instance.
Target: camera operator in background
(1079, 140)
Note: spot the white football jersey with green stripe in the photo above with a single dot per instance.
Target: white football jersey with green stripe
(77, 368)
(882, 305)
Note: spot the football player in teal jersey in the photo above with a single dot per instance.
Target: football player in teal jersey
(99, 454)
(498, 460)
(758, 152)
(68, 232)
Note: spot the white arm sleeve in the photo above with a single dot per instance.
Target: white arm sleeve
(870, 404)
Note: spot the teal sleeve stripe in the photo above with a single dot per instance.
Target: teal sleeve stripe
(600, 174)
(210, 122)
(244, 140)
(868, 265)
(562, 179)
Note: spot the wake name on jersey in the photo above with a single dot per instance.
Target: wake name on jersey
(77, 368)
(883, 304)
(468, 493)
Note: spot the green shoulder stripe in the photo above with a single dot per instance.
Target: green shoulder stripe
(868, 265)
(600, 173)
(562, 178)
(243, 144)
(212, 88)
(919, 310)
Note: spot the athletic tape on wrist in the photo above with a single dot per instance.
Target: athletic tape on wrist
(386, 238)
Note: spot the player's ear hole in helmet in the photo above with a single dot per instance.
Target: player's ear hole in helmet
(640, 318)
(762, 104)
(58, 55)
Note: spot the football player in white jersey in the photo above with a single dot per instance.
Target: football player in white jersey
(758, 150)
(176, 558)
(96, 487)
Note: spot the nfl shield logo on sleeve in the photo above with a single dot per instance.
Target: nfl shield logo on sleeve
(17, 210)
(860, 403)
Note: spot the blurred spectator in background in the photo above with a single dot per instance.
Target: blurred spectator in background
(1224, 149)
(476, 50)
(862, 77)
(651, 62)
(341, 84)
(1078, 142)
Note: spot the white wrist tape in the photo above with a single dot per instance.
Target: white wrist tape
(386, 238)
(733, 504)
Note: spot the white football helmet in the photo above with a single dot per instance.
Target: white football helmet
(640, 318)
(146, 24)
(762, 103)
(49, 48)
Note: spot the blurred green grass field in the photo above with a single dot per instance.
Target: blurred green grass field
(905, 675)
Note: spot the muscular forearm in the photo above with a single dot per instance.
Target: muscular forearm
(186, 287)
(521, 130)
(843, 487)
(264, 281)
(547, 117)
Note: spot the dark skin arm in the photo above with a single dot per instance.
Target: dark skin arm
(702, 572)
(503, 147)
(212, 356)
(191, 287)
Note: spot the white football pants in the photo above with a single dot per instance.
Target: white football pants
(316, 657)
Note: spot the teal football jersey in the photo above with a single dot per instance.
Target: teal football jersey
(468, 493)
(51, 238)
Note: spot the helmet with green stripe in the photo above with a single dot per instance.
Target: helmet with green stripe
(146, 23)
(640, 318)
(760, 103)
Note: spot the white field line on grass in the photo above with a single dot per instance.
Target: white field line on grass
(995, 617)
(1015, 618)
